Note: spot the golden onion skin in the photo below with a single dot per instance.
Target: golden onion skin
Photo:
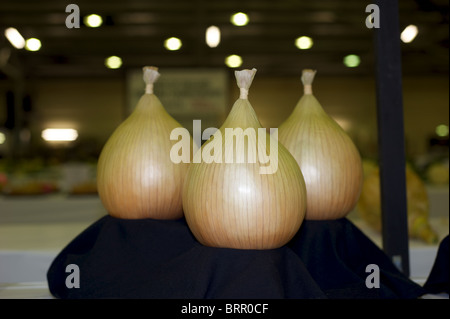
(233, 205)
(329, 160)
(136, 177)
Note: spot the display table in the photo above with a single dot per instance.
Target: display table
(161, 259)
(33, 230)
(31, 239)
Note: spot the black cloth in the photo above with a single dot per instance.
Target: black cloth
(148, 258)
(438, 280)
(337, 253)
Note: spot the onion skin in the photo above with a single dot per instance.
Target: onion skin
(329, 160)
(136, 177)
(232, 205)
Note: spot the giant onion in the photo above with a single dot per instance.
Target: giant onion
(136, 176)
(243, 197)
(330, 162)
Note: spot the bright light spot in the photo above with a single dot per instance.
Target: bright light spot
(113, 62)
(93, 20)
(304, 43)
(351, 60)
(239, 19)
(33, 44)
(59, 134)
(409, 33)
(2, 138)
(311, 172)
(15, 38)
(442, 130)
(213, 36)
(244, 189)
(233, 61)
(172, 44)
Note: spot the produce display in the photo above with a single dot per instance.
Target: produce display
(252, 191)
(136, 177)
(330, 162)
(36, 176)
(28, 177)
(237, 204)
(32, 188)
(369, 204)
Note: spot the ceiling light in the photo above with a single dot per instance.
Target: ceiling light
(15, 38)
(233, 61)
(442, 130)
(213, 36)
(33, 44)
(239, 19)
(113, 62)
(351, 60)
(172, 44)
(304, 43)
(409, 33)
(59, 134)
(93, 20)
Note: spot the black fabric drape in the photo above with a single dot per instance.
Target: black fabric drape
(148, 258)
(438, 280)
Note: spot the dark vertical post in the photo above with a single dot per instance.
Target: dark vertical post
(391, 135)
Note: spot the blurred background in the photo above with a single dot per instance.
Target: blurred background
(60, 76)
(78, 69)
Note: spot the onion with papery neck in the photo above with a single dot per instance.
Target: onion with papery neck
(136, 177)
(244, 204)
(328, 158)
